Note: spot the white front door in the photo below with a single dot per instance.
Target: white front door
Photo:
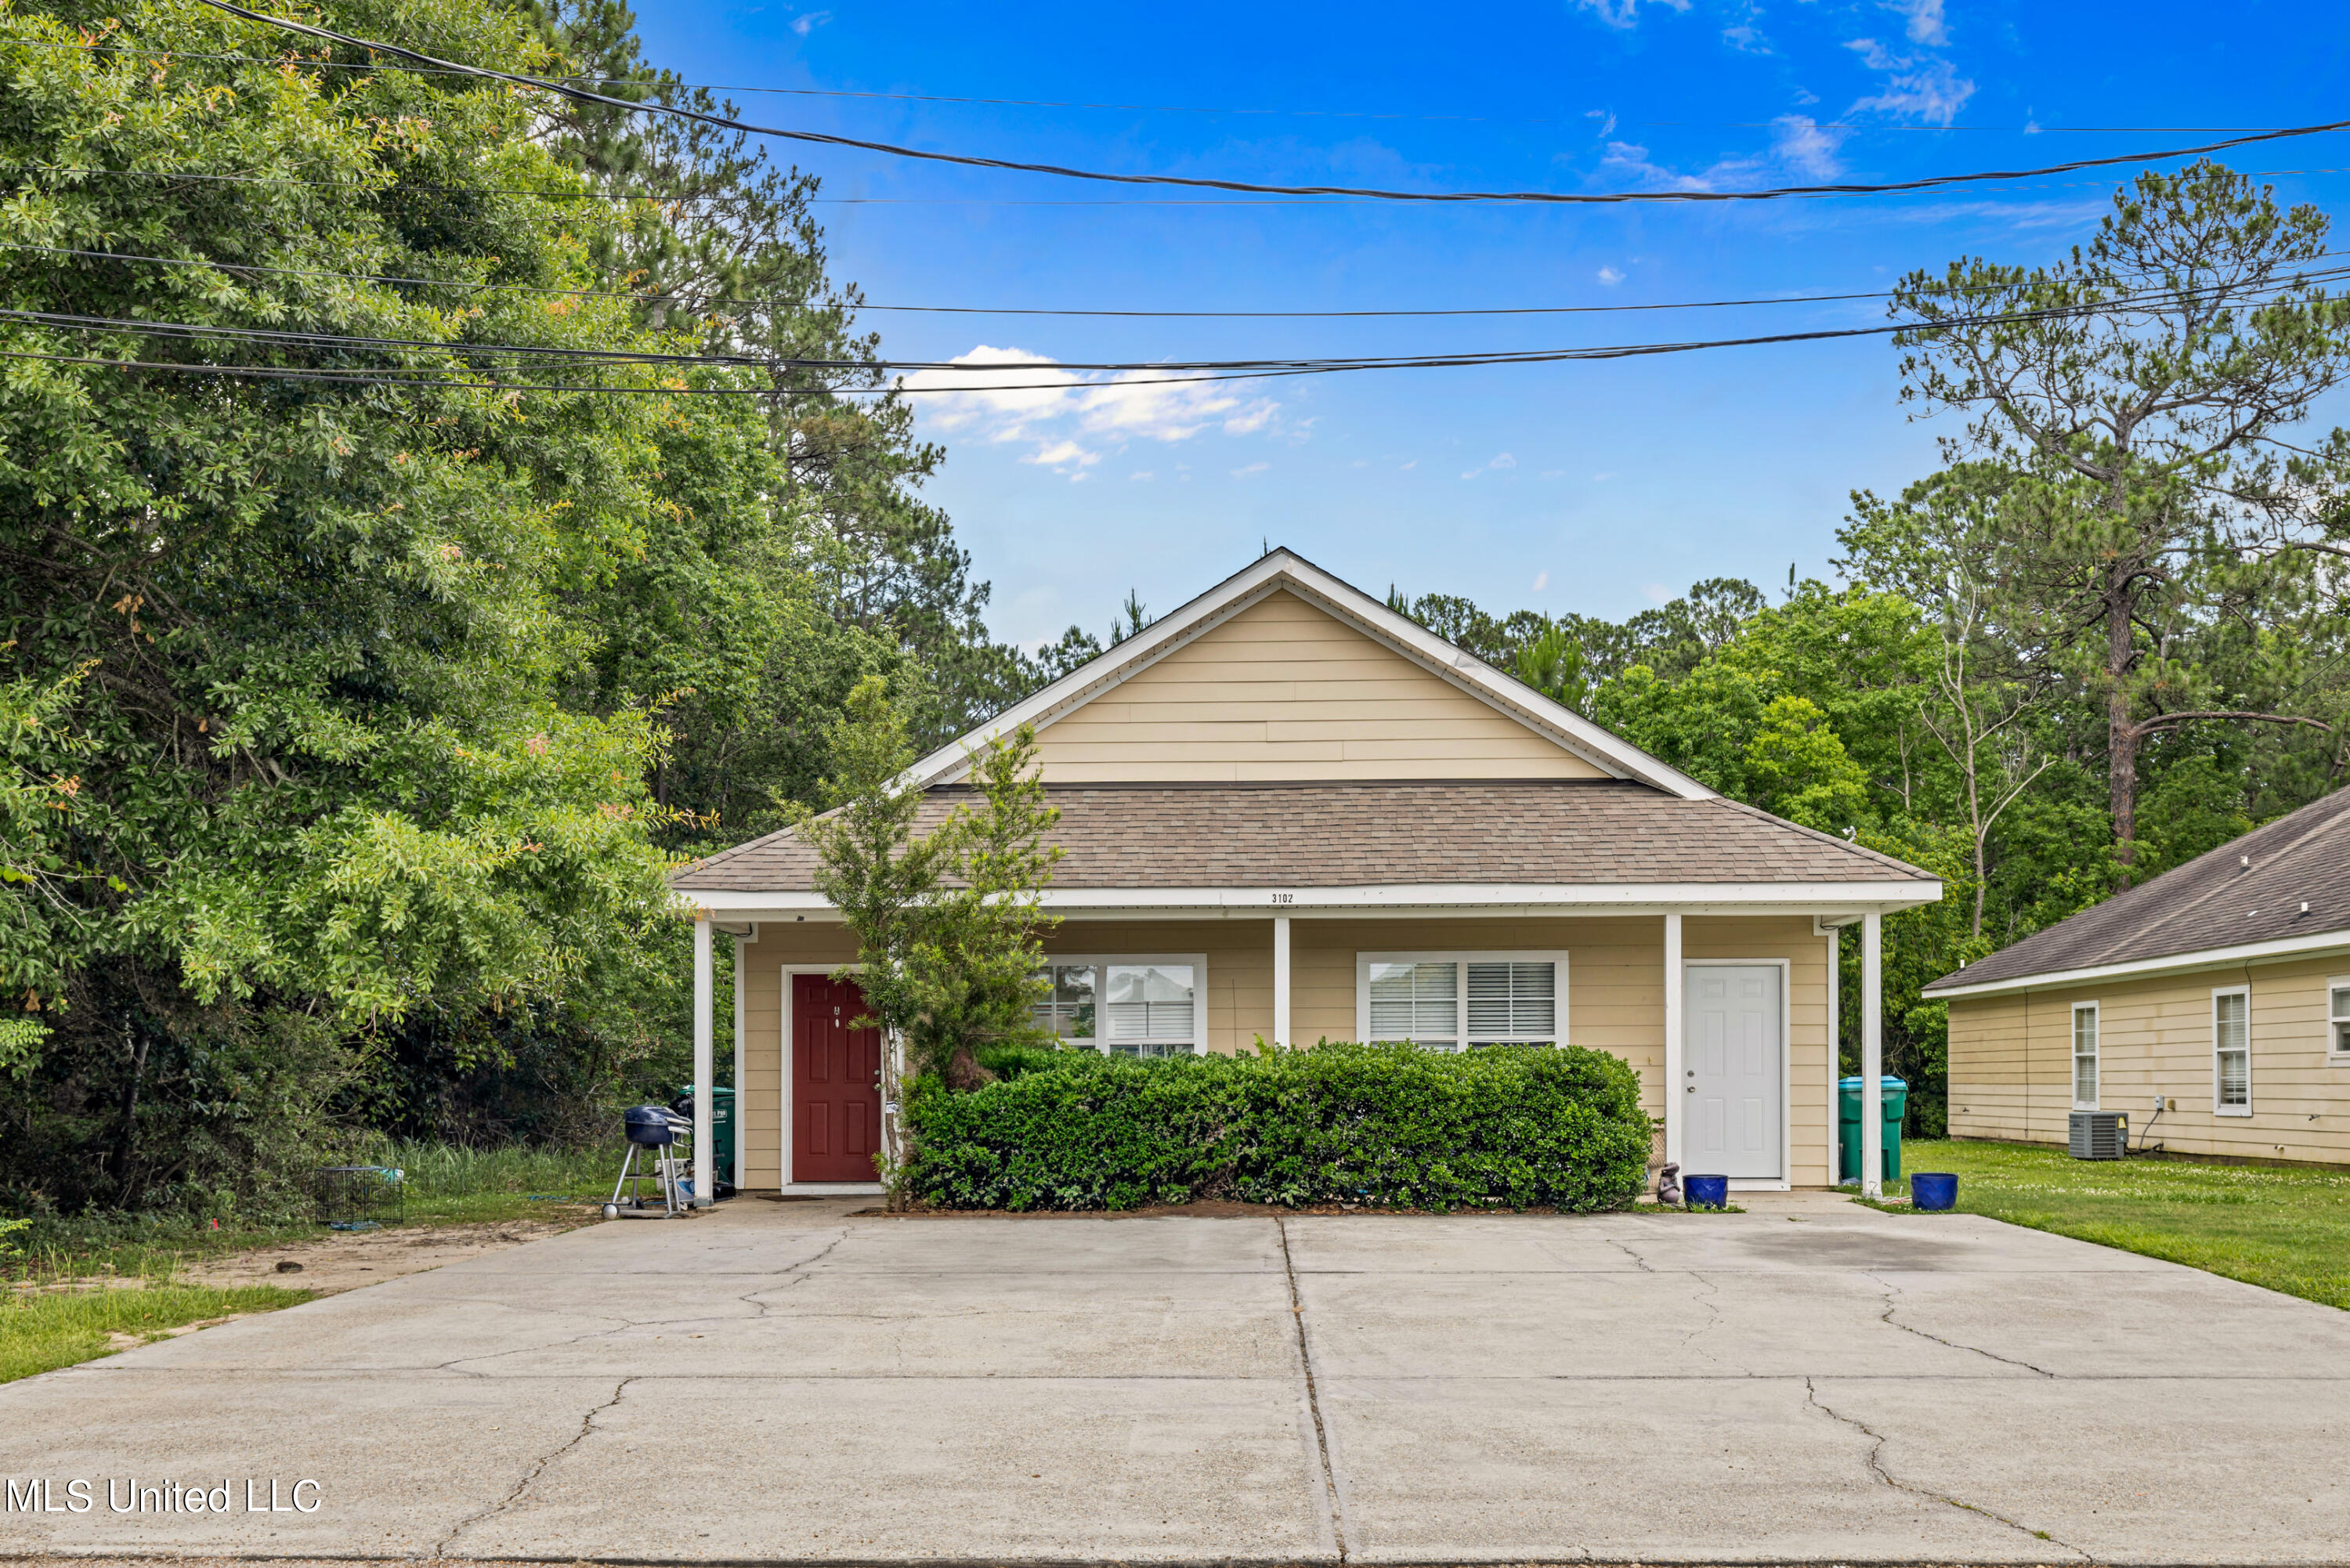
(1732, 1095)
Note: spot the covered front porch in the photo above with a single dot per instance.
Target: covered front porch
(1722, 1000)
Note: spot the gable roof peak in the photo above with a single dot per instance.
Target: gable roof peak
(1282, 569)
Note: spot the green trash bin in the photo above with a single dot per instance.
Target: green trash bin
(722, 1127)
(1897, 1101)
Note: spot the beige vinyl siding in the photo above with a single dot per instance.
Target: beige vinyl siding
(1285, 690)
(2010, 1062)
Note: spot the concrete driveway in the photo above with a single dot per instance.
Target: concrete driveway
(1808, 1381)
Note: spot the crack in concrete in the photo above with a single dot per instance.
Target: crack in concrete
(1893, 1290)
(1626, 1247)
(793, 1276)
(1876, 1468)
(1712, 1309)
(586, 1424)
(1313, 1395)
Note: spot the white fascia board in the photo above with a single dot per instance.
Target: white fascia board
(2315, 945)
(1283, 569)
(1422, 897)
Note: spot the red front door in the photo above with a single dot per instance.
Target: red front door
(835, 1083)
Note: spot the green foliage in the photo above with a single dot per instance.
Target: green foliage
(949, 924)
(1553, 665)
(1380, 1126)
(330, 705)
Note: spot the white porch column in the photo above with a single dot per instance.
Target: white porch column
(1872, 1055)
(1281, 979)
(704, 1001)
(742, 1154)
(1676, 1089)
(1836, 1047)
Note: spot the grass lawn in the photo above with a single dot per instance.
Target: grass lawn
(2288, 1230)
(42, 1330)
(445, 1186)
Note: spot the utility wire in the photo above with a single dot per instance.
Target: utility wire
(728, 122)
(1226, 370)
(681, 199)
(225, 265)
(1193, 108)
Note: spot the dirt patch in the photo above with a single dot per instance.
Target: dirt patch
(344, 1259)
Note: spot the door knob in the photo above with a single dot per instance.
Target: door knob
(1692, 1089)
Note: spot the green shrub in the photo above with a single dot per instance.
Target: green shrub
(1383, 1125)
(1013, 1061)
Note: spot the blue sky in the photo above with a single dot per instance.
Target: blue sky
(1598, 488)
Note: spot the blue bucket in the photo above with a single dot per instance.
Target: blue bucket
(1935, 1191)
(1706, 1191)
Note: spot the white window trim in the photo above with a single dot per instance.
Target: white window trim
(2246, 1108)
(2097, 1052)
(2337, 1041)
(1199, 962)
(1464, 957)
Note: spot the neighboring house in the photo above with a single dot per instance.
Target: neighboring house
(1289, 812)
(2221, 989)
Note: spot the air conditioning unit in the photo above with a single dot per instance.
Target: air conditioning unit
(2100, 1135)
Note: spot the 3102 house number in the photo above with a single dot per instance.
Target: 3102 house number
(1285, 898)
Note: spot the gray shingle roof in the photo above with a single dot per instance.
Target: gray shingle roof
(2215, 900)
(1309, 835)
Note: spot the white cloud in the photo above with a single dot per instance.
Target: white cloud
(1607, 118)
(1608, 275)
(809, 24)
(1625, 12)
(1541, 581)
(1925, 88)
(1926, 25)
(1554, 473)
(1502, 460)
(1658, 594)
(1249, 471)
(1066, 416)
(1142, 473)
(1800, 143)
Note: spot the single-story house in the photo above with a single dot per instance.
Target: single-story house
(2217, 993)
(1290, 814)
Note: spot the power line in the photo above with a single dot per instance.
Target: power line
(1194, 370)
(678, 199)
(1193, 108)
(728, 122)
(226, 266)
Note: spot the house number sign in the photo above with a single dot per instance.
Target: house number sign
(1285, 898)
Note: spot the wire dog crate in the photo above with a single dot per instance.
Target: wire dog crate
(357, 1197)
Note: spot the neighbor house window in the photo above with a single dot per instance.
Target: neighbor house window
(1449, 1002)
(2337, 1018)
(2232, 1052)
(2084, 1057)
(1127, 1006)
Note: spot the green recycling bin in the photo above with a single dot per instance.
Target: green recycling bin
(722, 1127)
(1897, 1101)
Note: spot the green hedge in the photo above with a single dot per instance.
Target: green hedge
(1385, 1126)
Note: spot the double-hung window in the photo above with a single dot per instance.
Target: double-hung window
(1450, 1002)
(2084, 1056)
(2338, 1020)
(2232, 1052)
(1127, 1006)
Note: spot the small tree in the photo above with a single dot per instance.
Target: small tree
(949, 924)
